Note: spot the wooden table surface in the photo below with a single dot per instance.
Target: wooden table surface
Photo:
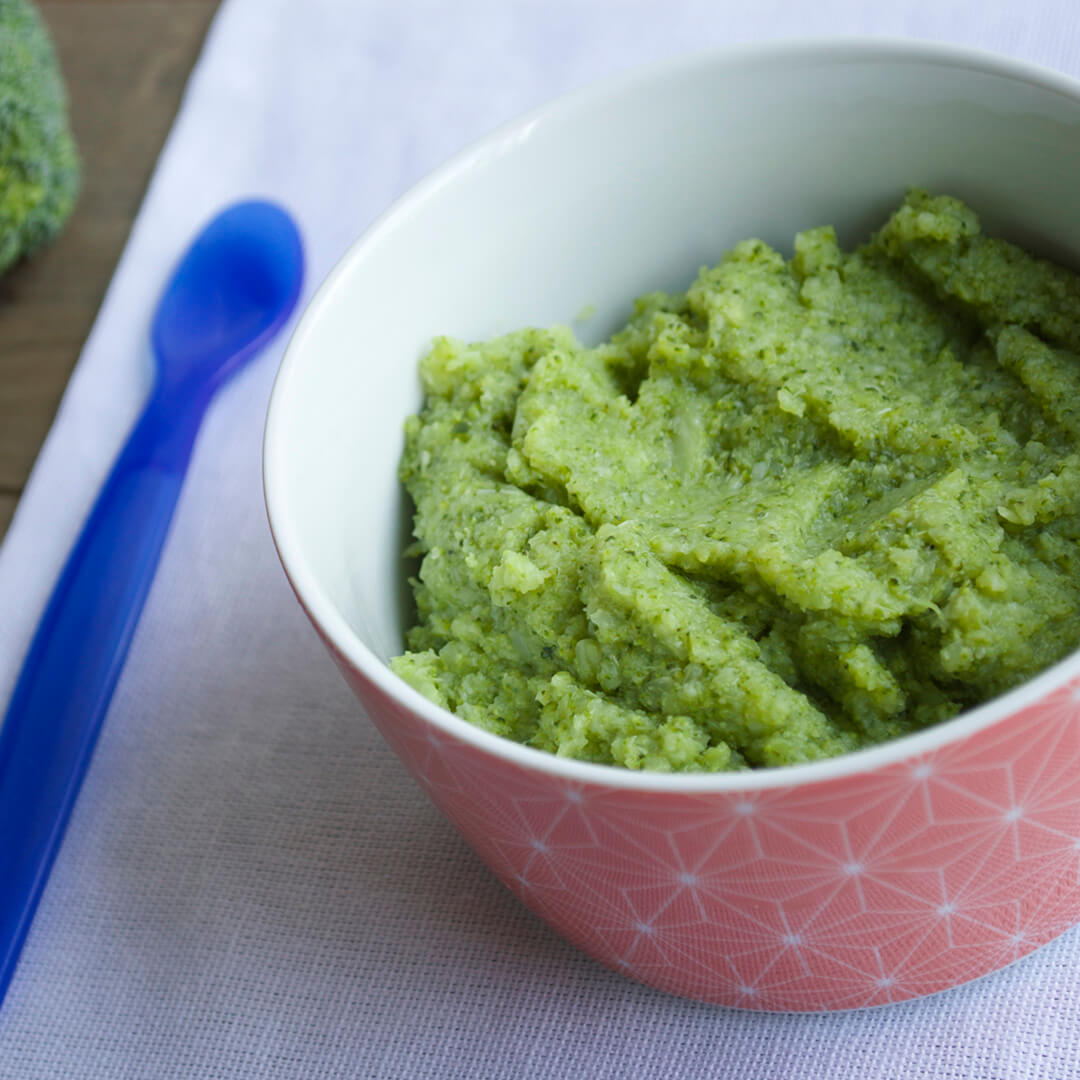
(125, 63)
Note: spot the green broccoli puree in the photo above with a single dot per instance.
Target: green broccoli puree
(805, 507)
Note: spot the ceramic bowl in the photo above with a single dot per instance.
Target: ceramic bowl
(872, 878)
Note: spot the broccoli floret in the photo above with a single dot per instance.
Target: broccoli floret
(39, 166)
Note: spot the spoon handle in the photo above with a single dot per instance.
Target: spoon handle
(69, 673)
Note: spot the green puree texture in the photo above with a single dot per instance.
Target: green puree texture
(805, 507)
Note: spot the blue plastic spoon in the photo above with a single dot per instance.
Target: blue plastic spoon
(230, 294)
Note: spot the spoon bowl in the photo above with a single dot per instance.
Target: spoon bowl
(230, 293)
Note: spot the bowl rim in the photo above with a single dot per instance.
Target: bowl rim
(329, 621)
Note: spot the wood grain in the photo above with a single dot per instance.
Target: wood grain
(125, 63)
(7, 509)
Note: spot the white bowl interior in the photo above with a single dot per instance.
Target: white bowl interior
(611, 193)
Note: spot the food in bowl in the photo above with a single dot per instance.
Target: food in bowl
(807, 506)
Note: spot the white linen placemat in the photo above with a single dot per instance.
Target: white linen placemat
(251, 886)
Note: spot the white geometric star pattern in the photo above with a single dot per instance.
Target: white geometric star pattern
(862, 890)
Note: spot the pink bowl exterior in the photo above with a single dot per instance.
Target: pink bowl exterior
(863, 890)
